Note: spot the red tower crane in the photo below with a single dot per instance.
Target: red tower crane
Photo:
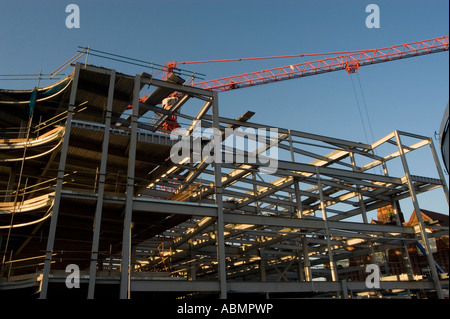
(350, 61)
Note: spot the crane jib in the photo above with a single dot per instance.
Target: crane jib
(349, 62)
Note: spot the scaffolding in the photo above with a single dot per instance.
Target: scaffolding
(93, 182)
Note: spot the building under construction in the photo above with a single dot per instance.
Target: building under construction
(89, 182)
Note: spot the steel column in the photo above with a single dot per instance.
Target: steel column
(219, 202)
(255, 192)
(439, 169)
(126, 241)
(360, 198)
(59, 184)
(305, 251)
(362, 206)
(423, 232)
(262, 265)
(271, 286)
(192, 268)
(344, 289)
(101, 188)
(298, 200)
(334, 273)
(404, 248)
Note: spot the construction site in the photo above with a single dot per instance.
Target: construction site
(95, 202)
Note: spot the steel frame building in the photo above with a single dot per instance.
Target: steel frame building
(90, 184)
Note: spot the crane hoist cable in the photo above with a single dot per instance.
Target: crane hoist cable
(359, 109)
(365, 108)
(369, 122)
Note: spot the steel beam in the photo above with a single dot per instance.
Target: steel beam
(210, 210)
(174, 207)
(313, 223)
(336, 172)
(325, 139)
(272, 287)
(177, 87)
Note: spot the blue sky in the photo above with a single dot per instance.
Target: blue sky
(408, 95)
